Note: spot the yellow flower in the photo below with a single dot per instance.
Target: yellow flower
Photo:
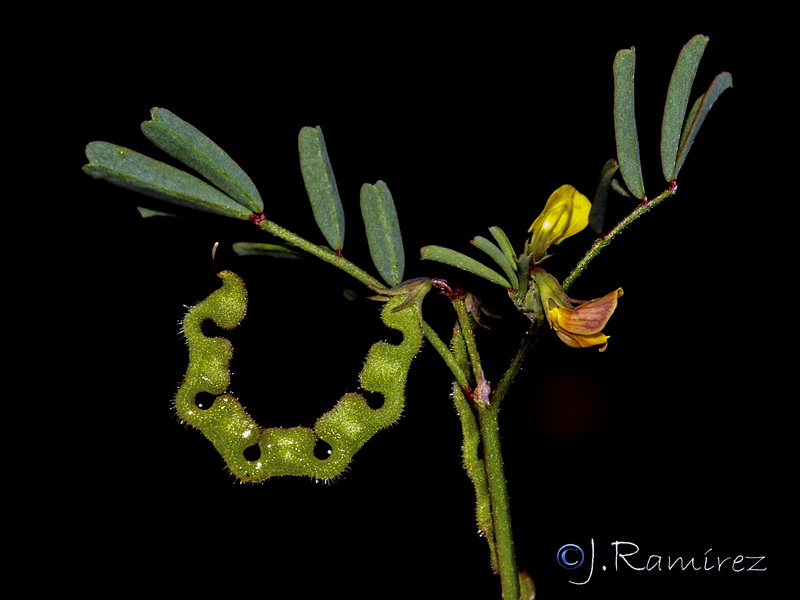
(565, 214)
(581, 326)
(578, 323)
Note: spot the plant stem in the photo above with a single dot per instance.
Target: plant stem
(322, 253)
(514, 368)
(471, 449)
(605, 240)
(464, 320)
(501, 510)
(447, 356)
(487, 412)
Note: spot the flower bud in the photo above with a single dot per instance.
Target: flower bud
(565, 214)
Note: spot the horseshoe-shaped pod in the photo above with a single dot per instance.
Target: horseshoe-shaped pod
(253, 453)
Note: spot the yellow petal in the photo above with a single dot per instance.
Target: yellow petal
(565, 214)
(583, 341)
(581, 326)
(592, 316)
(580, 206)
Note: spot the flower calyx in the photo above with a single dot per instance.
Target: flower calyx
(414, 291)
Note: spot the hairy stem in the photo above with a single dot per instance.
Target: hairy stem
(471, 450)
(517, 362)
(493, 458)
(501, 510)
(606, 239)
(447, 356)
(324, 254)
(480, 394)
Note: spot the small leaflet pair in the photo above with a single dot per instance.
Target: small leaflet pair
(253, 453)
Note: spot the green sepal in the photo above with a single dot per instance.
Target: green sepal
(680, 86)
(140, 173)
(698, 114)
(383, 231)
(625, 122)
(271, 250)
(509, 266)
(186, 143)
(598, 211)
(414, 291)
(463, 262)
(321, 186)
(526, 299)
(524, 270)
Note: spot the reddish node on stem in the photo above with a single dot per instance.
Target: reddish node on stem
(448, 289)
(257, 219)
(673, 186)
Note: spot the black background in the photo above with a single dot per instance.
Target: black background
(668, 440)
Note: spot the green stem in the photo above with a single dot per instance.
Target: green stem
(322, 253)
(501, 510)
(605, 240)
(471, 450)
(469, 339)
(461, 377)
(487, 413)
(514, 368)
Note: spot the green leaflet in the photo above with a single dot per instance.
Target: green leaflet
(260, 249)
(598, 211)
(698, 114)
(504, 243)
(140, 173)
(464, 262)
(187, 144)
(625, 122)
(321, 186)
(508, 265)
(680, 86)
(383, 232)
(253, 453)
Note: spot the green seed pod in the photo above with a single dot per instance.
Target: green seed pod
(277, 451)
